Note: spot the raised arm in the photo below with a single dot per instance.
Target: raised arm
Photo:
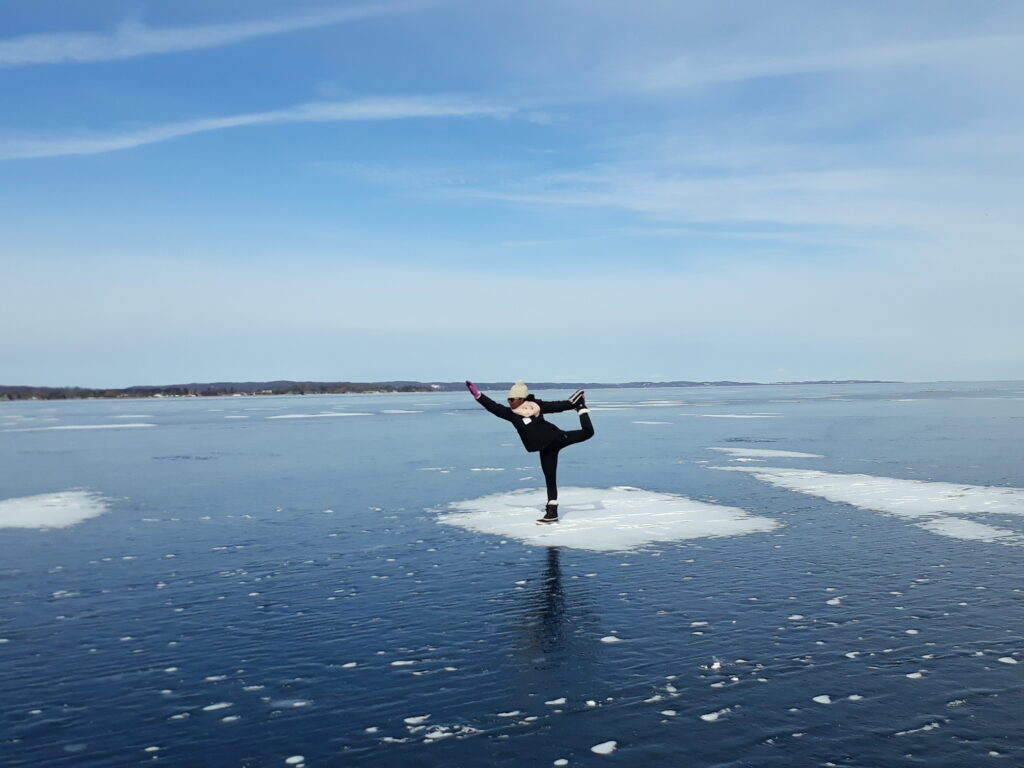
(554, 406)
(501, 411)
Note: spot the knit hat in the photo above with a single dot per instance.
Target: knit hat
(518, 390)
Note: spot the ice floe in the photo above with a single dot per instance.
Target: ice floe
(603, 519)
(51, 510)
(934, 506)
(604, 748)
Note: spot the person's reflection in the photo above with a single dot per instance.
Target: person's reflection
(547, 607)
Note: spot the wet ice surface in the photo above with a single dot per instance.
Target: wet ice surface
(260, 591)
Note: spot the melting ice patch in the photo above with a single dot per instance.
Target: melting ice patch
(603, 519)
(936, 506)
(50, 510)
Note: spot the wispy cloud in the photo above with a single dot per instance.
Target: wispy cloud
(712, 68)
(399, 108)
(133, 39)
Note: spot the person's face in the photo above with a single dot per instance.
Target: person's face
(515, 402)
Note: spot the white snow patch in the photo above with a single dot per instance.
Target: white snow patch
(711, 717)
(332, 414)
(604, 748)
(78, 426)
(765, 453)
(603, 519)
(734, 415)
(51, 510)
(933, 505)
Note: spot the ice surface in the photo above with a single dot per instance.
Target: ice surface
(603, 519)
(51, 510)
(764, 453)
(933, 505)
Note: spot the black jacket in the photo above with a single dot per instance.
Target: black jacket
(536, 433)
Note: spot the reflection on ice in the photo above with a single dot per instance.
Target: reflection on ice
(935, 505)
(603, 518)
(50, 510)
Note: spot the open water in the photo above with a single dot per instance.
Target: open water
(266, 582)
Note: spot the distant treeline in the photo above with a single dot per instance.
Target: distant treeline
(221, 389)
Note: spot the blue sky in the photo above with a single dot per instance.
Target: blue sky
(557, 190)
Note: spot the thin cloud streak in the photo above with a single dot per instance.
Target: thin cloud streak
(133, 39)
(694, 71)
(401, 108)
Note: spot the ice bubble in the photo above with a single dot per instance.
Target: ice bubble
(611, 639)
(603, 519)
(51, 510)
(560, 762)
(796, 617)
(604, 748)
(855, 697)
(295, 760)
(1007, 660)
(514, 713)
(403, 663)
(416, 720)
(218, 705)
(915, 675)
(823, 699)
(668, 712)
(556, 702)
(349, 665)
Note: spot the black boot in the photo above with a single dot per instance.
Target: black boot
(550, 513)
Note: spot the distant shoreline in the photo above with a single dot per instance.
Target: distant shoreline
(277, 388)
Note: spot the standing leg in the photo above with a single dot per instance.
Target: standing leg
(549, 465)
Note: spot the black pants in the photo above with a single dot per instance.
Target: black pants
(549, 455)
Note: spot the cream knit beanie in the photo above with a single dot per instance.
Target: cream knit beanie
(519, 390)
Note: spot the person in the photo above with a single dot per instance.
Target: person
(538, 435)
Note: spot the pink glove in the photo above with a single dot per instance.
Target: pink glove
(472, 389)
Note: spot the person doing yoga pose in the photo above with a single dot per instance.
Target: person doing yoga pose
(539, 436)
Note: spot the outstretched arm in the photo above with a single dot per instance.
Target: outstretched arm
(554, 406)
(501, 411)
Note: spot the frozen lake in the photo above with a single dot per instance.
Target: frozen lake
(819, 575)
